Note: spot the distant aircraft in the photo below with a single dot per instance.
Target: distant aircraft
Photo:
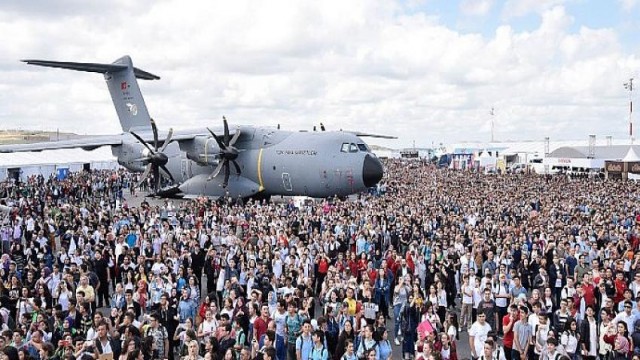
(246, 161)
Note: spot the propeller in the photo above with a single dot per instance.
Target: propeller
(228, 153)
(156, 160)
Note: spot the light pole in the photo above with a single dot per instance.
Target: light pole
(492, 113)
(629, 86)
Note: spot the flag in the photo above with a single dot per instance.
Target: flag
(123, 85)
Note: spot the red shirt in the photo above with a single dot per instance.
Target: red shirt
(391, 264)
(621, 286)
(410, 264)
(260, 327)
(589, 294)
(353, 266)
(362, 265)
(373, 274)
(507, 340)
(323, 266)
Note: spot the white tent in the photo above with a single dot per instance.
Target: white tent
(486, 161)
(27, 164)
(631, 155)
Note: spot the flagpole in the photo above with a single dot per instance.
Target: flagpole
(629, 86)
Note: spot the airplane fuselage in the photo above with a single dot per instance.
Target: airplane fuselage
(278, 162)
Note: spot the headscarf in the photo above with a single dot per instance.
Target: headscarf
(70, 320)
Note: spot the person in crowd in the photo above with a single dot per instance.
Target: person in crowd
(537, 259)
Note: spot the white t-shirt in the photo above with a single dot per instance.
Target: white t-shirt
(477, 297)
(467, 299)
(501, 289)
(479, 332)
(279, 319)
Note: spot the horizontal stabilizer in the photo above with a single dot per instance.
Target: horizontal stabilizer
(93, 67)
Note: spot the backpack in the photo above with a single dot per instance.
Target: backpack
(286, 324)
(364, 347)
(322, 352)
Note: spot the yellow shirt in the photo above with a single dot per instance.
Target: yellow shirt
(352, 306)
(89, 293)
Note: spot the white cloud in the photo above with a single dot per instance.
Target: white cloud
(363, 65)
(628, 5)
(476, 7)
(516, 8)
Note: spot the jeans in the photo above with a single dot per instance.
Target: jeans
(515, 354)
(396, 319)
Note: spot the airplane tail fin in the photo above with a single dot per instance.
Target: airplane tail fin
(123, 87)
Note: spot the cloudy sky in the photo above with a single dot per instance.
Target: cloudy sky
(427, 71)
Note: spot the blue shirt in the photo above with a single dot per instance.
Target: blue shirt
(384, 349)
(186, 309)
(305, 345)
(320, 353)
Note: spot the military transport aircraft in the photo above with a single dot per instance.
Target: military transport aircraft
(244, 161)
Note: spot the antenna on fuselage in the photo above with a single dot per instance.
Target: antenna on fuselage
(322, 127)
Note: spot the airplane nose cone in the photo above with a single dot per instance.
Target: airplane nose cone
(371, 171)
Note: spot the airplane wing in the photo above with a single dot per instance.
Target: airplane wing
(361, 134)
(88, 143)
(91, 142)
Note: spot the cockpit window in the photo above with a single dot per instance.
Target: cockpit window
(353, 148)
(345, 147)
(363, 147)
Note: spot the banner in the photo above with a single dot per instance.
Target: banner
(634, 167)
(614, 166)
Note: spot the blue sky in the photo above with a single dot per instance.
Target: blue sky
(614, 14)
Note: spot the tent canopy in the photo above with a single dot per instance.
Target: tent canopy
(631, 155)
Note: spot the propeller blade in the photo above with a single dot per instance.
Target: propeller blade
(227, 172)
(168, 173)
(143, 159)
(220, 144)
(155, 134)
(237, 167)
(145, 175)
(217, 170)
(156, 177)
(142, 142)
(167, 140)
(235, 137)
(226, 131)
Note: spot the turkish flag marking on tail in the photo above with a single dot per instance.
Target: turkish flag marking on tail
(123, 85)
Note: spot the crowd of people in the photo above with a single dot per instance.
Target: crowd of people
(523, 266)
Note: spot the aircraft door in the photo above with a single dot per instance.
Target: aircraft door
(286, 182)
(326, 177)
(186, 169)
(349, 180)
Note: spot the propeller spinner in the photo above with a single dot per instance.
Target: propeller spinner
(228, 153)
(155, 159)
